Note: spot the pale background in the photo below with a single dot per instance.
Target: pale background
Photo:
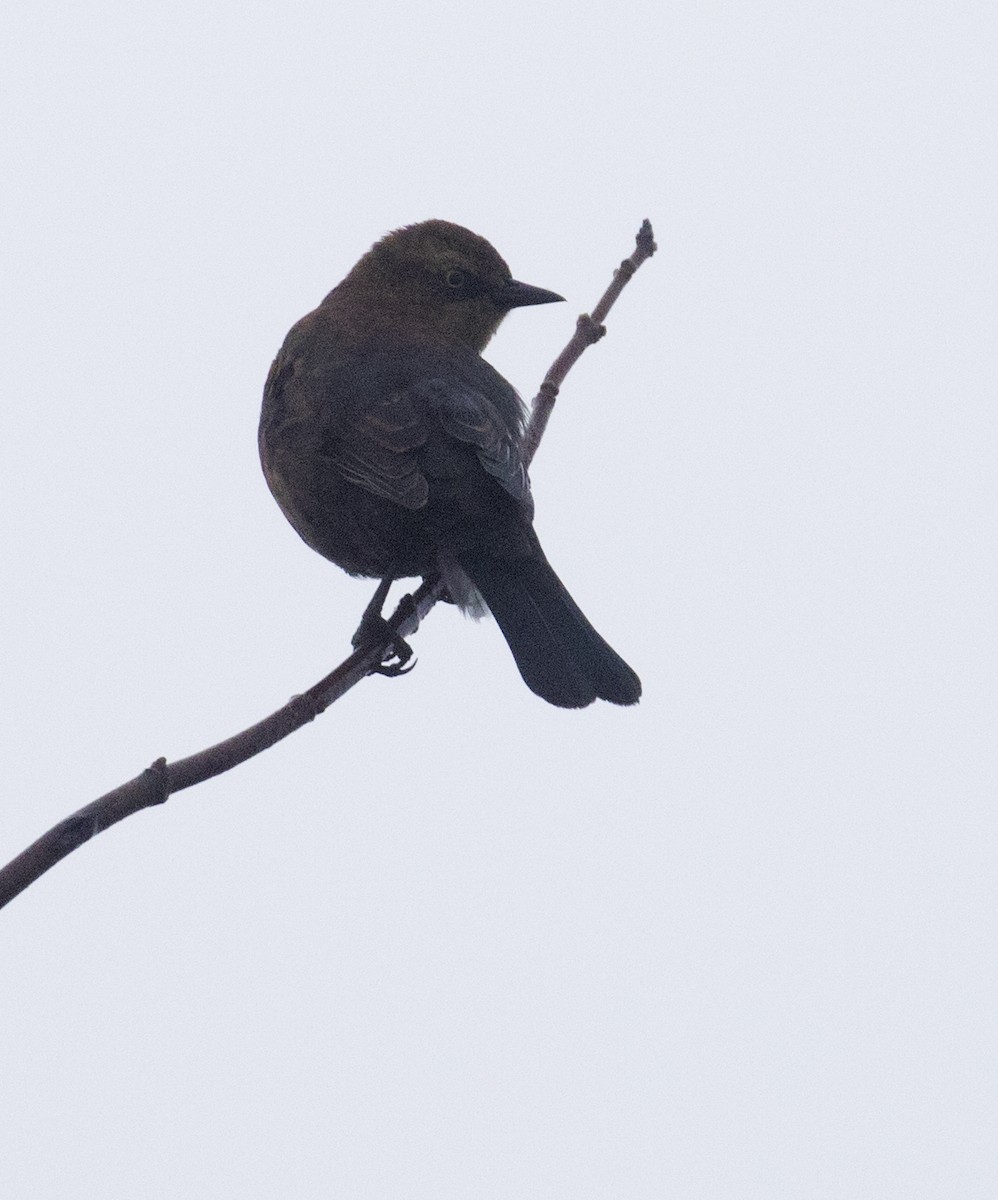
(449, 942)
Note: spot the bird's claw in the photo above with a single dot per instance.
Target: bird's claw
(401, 653)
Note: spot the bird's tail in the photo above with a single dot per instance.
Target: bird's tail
(561, 657)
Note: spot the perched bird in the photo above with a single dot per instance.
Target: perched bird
(394, 449)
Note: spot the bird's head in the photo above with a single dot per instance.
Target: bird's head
(441, 280)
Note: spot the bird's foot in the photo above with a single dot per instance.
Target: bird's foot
(374, 628)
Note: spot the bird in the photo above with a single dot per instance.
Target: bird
(395, 450)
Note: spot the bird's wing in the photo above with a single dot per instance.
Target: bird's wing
(367, 444)
(374, 449)
(469, 415)
(385, 434)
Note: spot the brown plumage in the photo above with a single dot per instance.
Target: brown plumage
(393, 449)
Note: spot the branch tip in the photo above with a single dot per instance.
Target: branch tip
(645, 238)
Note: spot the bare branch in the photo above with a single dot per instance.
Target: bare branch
(588, 330)
(158, 782)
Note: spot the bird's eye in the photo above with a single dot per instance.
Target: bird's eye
(454, 279)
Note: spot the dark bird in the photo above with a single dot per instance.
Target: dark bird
(394, 449)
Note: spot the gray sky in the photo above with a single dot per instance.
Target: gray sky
(449, 942)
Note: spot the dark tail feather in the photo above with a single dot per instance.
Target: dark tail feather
(560, 656)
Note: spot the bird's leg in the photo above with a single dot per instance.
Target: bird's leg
(373, 627)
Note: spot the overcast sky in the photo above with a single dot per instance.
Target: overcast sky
(449, 942)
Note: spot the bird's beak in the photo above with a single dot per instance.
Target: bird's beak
(518, 295)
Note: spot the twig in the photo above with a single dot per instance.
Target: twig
(158, 782)
(588, 330)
